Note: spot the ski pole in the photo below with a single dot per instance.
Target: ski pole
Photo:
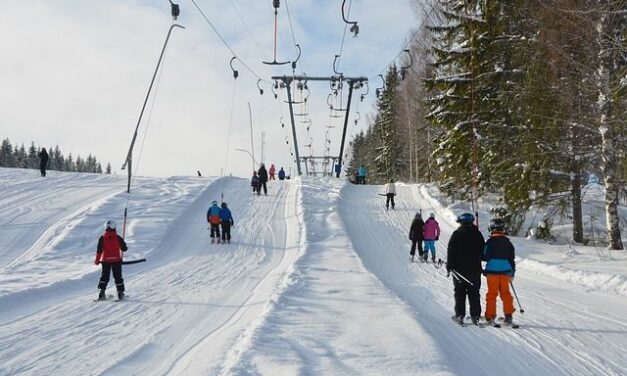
(516, 295)
(462, 277)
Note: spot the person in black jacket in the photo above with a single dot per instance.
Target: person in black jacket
(464, 261)
(416, 236)
(263, 178)
(43, 161)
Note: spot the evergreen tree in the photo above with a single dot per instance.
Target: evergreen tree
(33, 157)
(7, 158)
(108, 169)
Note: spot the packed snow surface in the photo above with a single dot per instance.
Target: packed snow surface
(316, 281)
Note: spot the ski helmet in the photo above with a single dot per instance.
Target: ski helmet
(496, 225)
(419, 215)
(224, 205)
(110, 225)
(466, 218)
(214, 202)
(432, 215)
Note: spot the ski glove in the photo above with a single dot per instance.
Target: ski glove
(437, 238)
(97, 260)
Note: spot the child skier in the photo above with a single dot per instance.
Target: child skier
(416, 236)
(431, 235)
(213, 217)
(499, 270)
(109, 254)
(227, 221)
(254, 182)
(272, 171)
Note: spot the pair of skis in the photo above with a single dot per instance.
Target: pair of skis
(484, 324)
(110, 299)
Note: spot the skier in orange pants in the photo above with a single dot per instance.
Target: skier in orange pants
(499, 270)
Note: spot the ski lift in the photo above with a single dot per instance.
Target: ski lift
(363, 95)
(287, 140)
(335, 67)
(259, 87)
(354, 28)
(297, 57)
(175, 10)
(274, 92)
(357, 117)
(405, 68)
(282, 123)
(235, 72)
(275, 4)
(377, 92)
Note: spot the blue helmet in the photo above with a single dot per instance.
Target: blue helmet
(466, 218)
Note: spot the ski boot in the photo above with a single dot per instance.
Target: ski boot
(433, 258)
(102, 295)
(509, 320)
(475, 320)
(212, 240)
(121, 295)
(426, 258)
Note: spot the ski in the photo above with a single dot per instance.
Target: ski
(108, 297)
(510, 325)
(455, 320)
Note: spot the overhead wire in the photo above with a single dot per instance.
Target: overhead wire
(250, 34)
(226, 44)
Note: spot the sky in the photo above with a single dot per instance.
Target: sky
(75, 74)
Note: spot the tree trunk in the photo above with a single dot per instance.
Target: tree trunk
(575, 190)
(609, 164)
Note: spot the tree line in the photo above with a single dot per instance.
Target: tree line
(525, 99)
(23, 157)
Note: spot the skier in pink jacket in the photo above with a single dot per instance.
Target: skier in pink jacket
(431, 233)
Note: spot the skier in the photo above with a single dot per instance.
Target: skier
(464, 261)
(499, 270)
(431, 235)
(226, 219)
(43, 161)
(254, 182)
(109, 254)
(361, 175)
(272, 171)
(416, 235)
(263, 179)
(281, 174)
(390, 192)
(213, 217)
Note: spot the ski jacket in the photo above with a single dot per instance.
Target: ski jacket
(362, 171)
(416, 230)
(464, 251)
(263, 174)
(225, 216)
(43, 155)
(281, 174)
(272, 170)
(431, 230)
(254, 182)
(499, 253)
(390, 188)
(213, 214)
(110, 247)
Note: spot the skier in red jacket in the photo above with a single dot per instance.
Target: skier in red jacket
(109, 254)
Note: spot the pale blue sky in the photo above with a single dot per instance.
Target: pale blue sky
(75, 73)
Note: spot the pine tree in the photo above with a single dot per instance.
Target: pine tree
(108, 169)
(388, 161)
(7, 158)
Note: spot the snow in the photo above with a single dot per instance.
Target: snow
(316, 281)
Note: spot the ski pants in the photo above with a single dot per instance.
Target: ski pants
(42, 167)
(265, 189)
(226, 230)
(430, 246)
(215, 230)
(498, 284)
(412, 251)
(390, 198)
(464, 289)
(107, 267)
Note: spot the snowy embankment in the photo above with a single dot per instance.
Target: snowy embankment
(316, 281)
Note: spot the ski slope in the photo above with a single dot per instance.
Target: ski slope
(316, 281)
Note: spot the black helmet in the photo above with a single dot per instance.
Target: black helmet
(110, 225)
(496, 225)
(466, 218)
(224, 205)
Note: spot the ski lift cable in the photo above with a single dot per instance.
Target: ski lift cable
(226, 44)
(250, 34)
(289, 18)
(228, 137)
(339, 55)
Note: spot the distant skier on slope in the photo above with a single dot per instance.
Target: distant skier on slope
(416, 235)
(390, 192)
(431, 235)
(226, 220)
(254, 182)
(272, 171)
(499, 271)
(109, 254)
(464, 261)
(263, 178)
(281, 174)
(213, 217)
(43, 161)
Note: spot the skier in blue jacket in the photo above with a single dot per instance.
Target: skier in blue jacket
(227, 221)
(213, 217)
